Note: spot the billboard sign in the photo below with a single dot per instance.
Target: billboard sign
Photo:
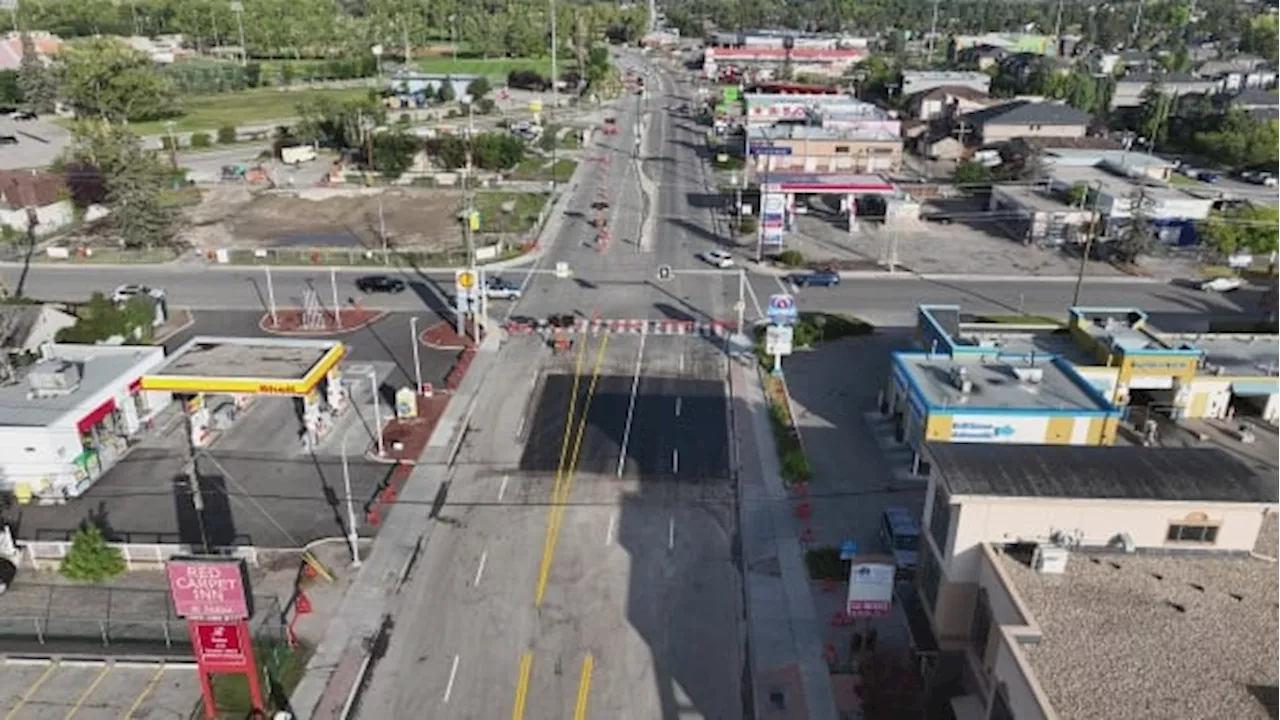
(782, 309)
(777, 340)
(773, 238)
(870, 589)
(219, 644)
(209, 588)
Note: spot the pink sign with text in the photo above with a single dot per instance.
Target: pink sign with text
(208, 589)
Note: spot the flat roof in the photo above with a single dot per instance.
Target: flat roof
(1038, 200)
(246, 365)
(100, 366)
(1023, 342)
(1117, 186)
(826, 182)
(810, 132)
(996, 386)
(1236, 354)
(1188, 474)
(1122, 329)
(1147, 635)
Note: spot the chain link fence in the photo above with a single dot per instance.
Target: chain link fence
(140, 619)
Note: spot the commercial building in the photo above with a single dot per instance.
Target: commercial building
(1034, 214)
(762, 54)
(1030, 398)
(1079, 583)
(1172, 211)
(805, 148)
(66, 419)
(1180, 376)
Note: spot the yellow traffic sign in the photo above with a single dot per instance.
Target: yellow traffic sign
(465, 279)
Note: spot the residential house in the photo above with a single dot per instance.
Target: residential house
(1239, 73)
(25, 328)
(1129, 89)
(917, 81)
(980, 56)
(1024, 119)
(1261, 104)
(163, 49)
(947, 101)
(46, 45)
(34, 196)
(410, 88)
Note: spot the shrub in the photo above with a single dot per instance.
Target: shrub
(791, 258)
(748, 225)
(169, 142)
(226, 134)
(485, 106)
(404, 119)
(201, 140)
(90, 558)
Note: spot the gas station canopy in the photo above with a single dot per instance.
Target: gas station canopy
(249, 366)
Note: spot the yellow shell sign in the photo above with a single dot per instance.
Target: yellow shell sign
(465, 279)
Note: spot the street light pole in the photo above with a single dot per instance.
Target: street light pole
(337, 306)
(377, 411)
(271, 297)
(1088, 242)
(353, 538)
(417, 364)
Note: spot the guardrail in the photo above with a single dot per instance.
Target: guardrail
(48, 554)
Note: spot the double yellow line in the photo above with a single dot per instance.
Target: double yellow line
(565, 469)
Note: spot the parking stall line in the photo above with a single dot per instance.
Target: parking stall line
(146, 692)
(480, 569)
(97, 680)
(32, 690)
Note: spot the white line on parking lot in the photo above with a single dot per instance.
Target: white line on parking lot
(782, 286)
(453, 675)
(480, 569)
(502, 489)
(675, 461)
(678, 399)
(671, 532)
(608, 533)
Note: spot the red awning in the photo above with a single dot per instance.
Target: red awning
(135, 386)
(93, 418)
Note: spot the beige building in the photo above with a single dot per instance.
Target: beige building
(1025, 119)
(1064, 583)
(805, 148)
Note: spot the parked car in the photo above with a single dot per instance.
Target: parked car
(1205, 176)
(22, 115)
(1222, 284)
(1259, 177)
(499, 289)
(817, 278)
(717, 258)
(379, 284)
(8, 139)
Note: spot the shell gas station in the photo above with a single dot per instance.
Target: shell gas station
(217, 377)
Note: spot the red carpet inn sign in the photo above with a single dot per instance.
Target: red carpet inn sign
(212, 595)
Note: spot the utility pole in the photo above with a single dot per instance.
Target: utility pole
(337, 307)
(933, 31)
(417, 364)
(1088, 243)
(407, 53)
(353, 538)
(1137, 22)
(1057, 28)
(238, 8)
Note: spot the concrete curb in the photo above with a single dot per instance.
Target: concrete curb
(769, 270)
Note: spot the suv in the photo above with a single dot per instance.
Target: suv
(817, 278)
(379, 283)
(717, 258)
(499, 289)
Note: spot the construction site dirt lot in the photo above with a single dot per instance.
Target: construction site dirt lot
(234, 218)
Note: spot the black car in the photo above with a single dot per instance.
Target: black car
(822, 278)
(8, 139)
(380, 283)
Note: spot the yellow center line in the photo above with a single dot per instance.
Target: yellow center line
(558, 500)
(146, 692)
(88, 691)
(522, 686)
(32, 690)
(584, 688)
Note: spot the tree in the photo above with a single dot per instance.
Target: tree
(1154, 111)
(972, 175)
(10, 89)
(1261, 36)
(339, 124)
(1238, 140)
(479, 88)
(105, 78)
(497, 151)
(445, 93)
(393, 153)
(134, 180)
(1136, 237)
(1249, 228)
(90, 558)
(39, 90)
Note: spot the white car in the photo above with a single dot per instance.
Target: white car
(1221, 284)
(125, 293)
(717, 258)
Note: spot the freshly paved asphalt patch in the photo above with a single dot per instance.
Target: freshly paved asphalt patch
(690, 445)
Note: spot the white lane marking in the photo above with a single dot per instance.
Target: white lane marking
(675, 461)
(631, 406)
(453, 675)
(678, 406)
(782, 286)
(502, 489)
(755, 301)
(608, 533)
(671, 532)
(682, 362)
(480, 569)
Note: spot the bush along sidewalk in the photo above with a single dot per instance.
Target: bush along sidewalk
(792, 463)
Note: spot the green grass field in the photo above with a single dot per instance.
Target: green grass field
(259, 106)
(496, 68)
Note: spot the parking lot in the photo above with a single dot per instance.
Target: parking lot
(39, 690)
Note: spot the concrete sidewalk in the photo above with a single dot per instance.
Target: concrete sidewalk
(785, 647)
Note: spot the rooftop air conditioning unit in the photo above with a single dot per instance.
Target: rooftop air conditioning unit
(1049, 560)
(53, 377)
(1029, 375)
(960, 378)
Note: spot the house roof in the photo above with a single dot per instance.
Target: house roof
(1099, 473)
(45, 44)
(1025, 112)
(1164, 78)
(943, 92)
(22, 188)
(1071, 143)
(1252, 97)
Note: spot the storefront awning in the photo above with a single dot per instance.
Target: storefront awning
(95, 416)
